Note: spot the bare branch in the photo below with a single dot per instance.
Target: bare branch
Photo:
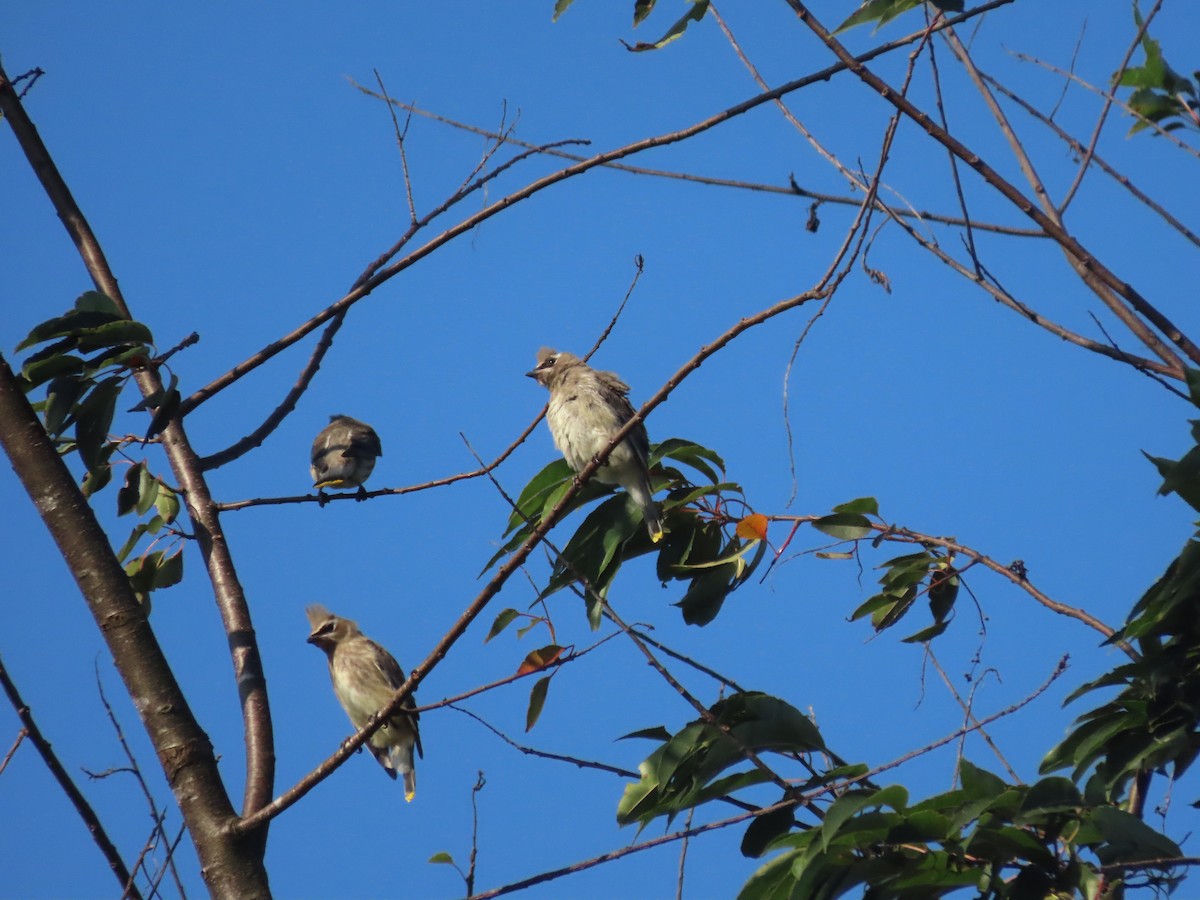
(791, 189)
(1078, 148)
(1082, 258)
(381, 273)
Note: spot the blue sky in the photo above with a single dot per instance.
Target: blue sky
(239, 183)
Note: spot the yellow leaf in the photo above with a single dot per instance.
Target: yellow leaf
(753, 527)
(539, 659)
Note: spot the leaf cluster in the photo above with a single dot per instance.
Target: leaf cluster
(91, 353)
(1004, 840)
(1153, 721)
(702, 546)
(1161, 96)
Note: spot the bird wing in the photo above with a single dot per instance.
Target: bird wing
(364, 442)
(615, 393)
(391, 671)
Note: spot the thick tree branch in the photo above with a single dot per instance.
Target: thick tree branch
(183, 749)
(236, 867)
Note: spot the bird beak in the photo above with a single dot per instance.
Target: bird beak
(312, 638)
(533, 374)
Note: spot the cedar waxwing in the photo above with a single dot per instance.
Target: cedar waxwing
(587, 407)
(365, 676)
(343, 455)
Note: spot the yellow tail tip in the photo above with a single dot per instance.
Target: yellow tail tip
(656, 536)
(408, 795)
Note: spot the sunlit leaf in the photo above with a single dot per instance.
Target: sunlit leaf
(539, 659)
(442, 857)
(753, 527)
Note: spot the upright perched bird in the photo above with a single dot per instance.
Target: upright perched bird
(365, 676)
(344, 454)
(587, 408)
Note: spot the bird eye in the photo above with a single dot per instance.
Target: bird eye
(548, 362)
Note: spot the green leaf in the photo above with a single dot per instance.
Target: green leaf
(641, 9)
(655, 733)
(537, 700)
(169, 571)
(502, 621)
(147, 491)
(560, 7)
(690, 454)
(39, 371)
(707, 594)
(867, 506)
(773, 880)
(695, 14)
(94, 418)
(442, 857)
(881, 11)
(95, 301)
(98, 478)
(1129, 838)
(926, 634)
(72, 323)
(766, 828)
(844, 526)
(134, 536)
(166, 503)
(1053, 794)
(123, 331)
(980, 783)
(60, 401)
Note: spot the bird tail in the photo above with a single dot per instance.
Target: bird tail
(640, 492)
(402, 762)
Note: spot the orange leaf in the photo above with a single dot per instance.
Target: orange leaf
(753, 527)
(539, 659)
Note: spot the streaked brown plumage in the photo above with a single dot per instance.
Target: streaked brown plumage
(365, 677)
(344, 454)
(587, 408)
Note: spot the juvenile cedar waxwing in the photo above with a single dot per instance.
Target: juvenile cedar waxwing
(343, 455)
(365, 676)
(587, 407)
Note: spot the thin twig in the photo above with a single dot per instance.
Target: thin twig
(1078, 148)
(791, 189)
(1093, 271)
(381, 273)
(401, 134)
(1086, 161)
(968, 715)
(136, 771)
(82, 807)
(1112, 98)
(21, 735)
